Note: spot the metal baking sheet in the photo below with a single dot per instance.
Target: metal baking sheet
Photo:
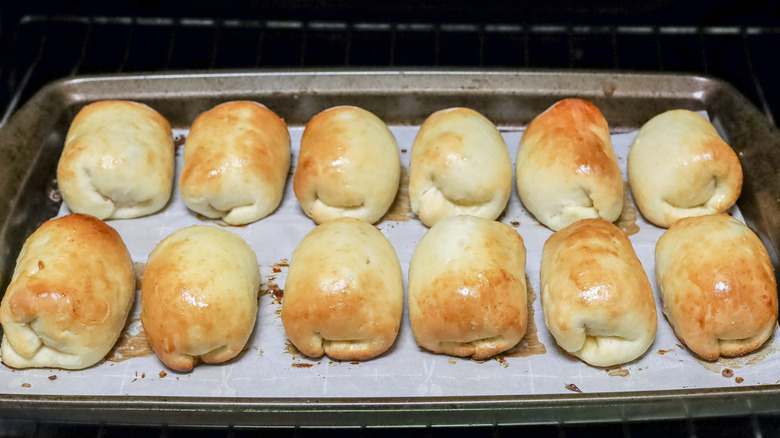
(271, 385)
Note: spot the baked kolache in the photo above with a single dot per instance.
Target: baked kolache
(467, 288)
(199, 296)
(596, 297)
(679, 166)
(118, 161)
(236, 160)
(69, 296)
(349, 165)
(566, 167)
(460, 165)
(717, 285)
(344, 292)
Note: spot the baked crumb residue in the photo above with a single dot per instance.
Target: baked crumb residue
(179, 140)
(400, 208)
(271, 287)
(724, 365)
(130, 345)
(289, 348)
(627, 220)
(617, 372)
(138, 273)
(529, 345)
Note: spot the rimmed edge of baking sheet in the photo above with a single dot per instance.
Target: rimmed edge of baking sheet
(33, 136)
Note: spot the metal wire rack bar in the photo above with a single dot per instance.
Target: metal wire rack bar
(336, 43)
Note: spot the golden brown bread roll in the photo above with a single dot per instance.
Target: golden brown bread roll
(597, 300)
(717, 285)
(678, 166)
(344, 292)
(69, 296)
(467, 288)
(348, 166)
(199, 296)
(566, 167)
(236, 160)
(460, 165)
(117, 162)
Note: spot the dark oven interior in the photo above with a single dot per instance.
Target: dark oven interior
(732, 40)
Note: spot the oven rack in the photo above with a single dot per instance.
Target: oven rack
(743, 427)
(38, 49)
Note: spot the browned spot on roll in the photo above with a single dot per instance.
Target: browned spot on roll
(400, 208)
(627, 220)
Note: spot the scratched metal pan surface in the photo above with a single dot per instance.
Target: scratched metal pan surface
(31, 142)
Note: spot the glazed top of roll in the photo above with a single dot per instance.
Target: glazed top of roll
(717, 285)
(566, 167)
(678, 166)
(459, 165)
(349, 165)
(69, 296)
(236, 160)
(117, 162)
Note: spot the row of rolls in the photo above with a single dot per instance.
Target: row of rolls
(73, 286)
(118, 162)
